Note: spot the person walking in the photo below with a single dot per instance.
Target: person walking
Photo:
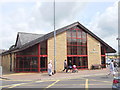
(116, 66)
(65, 65)
(111, 69)
(69, 66)
(50, 68)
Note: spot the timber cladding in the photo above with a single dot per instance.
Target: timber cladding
(93, 50)
(61, 51)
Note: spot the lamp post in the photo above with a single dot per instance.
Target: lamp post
(54, 41)
(118, 50)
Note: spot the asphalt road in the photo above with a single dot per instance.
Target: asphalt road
(79, 82)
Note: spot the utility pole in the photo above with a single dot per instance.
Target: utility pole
(118, 50)
(54, 41)
(119, 32)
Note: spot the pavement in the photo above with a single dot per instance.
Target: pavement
(59, 75)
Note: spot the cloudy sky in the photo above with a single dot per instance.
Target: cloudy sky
(35, 16)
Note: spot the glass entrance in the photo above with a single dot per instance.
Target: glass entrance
(43, 64)
(80, 62)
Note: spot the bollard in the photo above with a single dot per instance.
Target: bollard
(0, 77)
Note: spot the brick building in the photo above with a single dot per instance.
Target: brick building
(32, 52)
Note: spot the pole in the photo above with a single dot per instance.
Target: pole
(118, 33)
(118, 50)
(54, 42)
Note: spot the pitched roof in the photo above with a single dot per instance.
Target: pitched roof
(51, 34)
(23, 38)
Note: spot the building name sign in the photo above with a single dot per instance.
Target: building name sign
(93, 51)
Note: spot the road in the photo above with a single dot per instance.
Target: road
(100, 81)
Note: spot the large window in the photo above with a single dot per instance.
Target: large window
(32, 59)
(76, 42)
(77, 47)
(102, 50)
(103, 60)
(26, 64)
(43, 48)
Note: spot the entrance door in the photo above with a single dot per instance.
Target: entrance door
(43, 64)
(80, 62)
(103, 62)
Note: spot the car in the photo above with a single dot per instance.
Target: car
(116, 83)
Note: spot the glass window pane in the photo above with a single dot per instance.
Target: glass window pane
(79, 42)
(84, 35)
(84, 42)
(85, 62)
(43, 48)
(73, 33)
(84, 51)
(69, 33)
(69, 59)
(74, 62)
(34, 62)
(68, 41)
(79, 51)
(79, 34)
(69, 50)
(102, 50)
(74, 50)
(74, 41)
(20, 63)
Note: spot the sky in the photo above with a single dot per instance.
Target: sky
(36, 16)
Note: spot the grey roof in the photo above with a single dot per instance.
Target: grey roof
(51, 34)
(23, 38)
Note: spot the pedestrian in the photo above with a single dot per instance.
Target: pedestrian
(74, 69)
(69, 66)
(116, 66)
(65, 65)
(111, 68)
(50, 68)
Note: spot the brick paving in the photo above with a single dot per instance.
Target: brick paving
(60, 75)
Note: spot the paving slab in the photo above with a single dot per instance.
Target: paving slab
(59, 75)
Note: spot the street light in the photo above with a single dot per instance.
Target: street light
(118, 50)
(54, 41)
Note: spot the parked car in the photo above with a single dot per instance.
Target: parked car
(116, 83)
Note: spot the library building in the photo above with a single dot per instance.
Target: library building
(32, 52)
